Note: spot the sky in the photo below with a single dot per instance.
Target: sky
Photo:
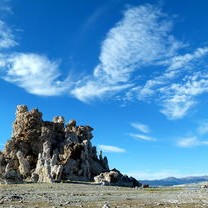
(134, 70)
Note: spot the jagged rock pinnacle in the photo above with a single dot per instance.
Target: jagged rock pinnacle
(45, 151)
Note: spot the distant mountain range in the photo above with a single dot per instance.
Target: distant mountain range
(171, 181)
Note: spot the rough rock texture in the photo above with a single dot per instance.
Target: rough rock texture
(44, 151)
(47, 168)
(114, 177)
(12, 176)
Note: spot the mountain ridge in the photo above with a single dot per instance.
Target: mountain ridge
(171, 181)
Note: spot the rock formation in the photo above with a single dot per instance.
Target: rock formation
(44, 151)
(114, 177)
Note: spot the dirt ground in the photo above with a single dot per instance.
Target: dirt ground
(89, 195)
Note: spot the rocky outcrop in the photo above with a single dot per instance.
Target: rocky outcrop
(114, 177)
(45, 151)
(24, 166)
(12, 176)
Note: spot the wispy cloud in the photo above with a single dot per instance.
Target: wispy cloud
(177, 66)
(179, 98)
(191, 142)
(5, 7)
(140, 39)
(142, 137)
(7, 39)
(196, 136)
(176, 107)
(96, 89)
(182, 61)
(95, 16)
(107, 148)
(35, 73)
(203, 127)
(141, 127)
(177, 88)
(144, 130)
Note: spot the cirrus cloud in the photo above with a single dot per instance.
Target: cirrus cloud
(141, 39)
(108, 148)
(140, 59)
(141, 127)
(142, 137)
(7, 39)
(191, 142)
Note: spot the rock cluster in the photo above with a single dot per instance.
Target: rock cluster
(114, 177)
(44, 151)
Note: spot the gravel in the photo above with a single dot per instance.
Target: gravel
(90, 195)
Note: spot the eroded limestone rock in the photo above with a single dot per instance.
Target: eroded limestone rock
(47, 168)
(12, 176)
(44, 151)
(114, 177)
(24, 166)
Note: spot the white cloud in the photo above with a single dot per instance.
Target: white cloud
(182, 61)
(139, 59)
(176, 107)
(144, 129)
(203, 128)
(142, 38)
(138, 40)
(141, 127)
(142, 137)
(178, 99)
(7, 39)
(36, 74)
(177, 66)
(95, 89)
(191, 142)
(107, 148)
(177, 88)
(149, 89)
(188, 142)
(2, 61)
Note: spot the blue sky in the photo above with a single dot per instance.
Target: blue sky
(136, 71)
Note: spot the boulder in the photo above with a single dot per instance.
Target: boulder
(114, 177)
(2, 163)
(12, 176)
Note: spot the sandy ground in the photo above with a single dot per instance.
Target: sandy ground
(89, 195)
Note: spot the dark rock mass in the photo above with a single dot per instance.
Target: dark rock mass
(114, 177)
(44, 151)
